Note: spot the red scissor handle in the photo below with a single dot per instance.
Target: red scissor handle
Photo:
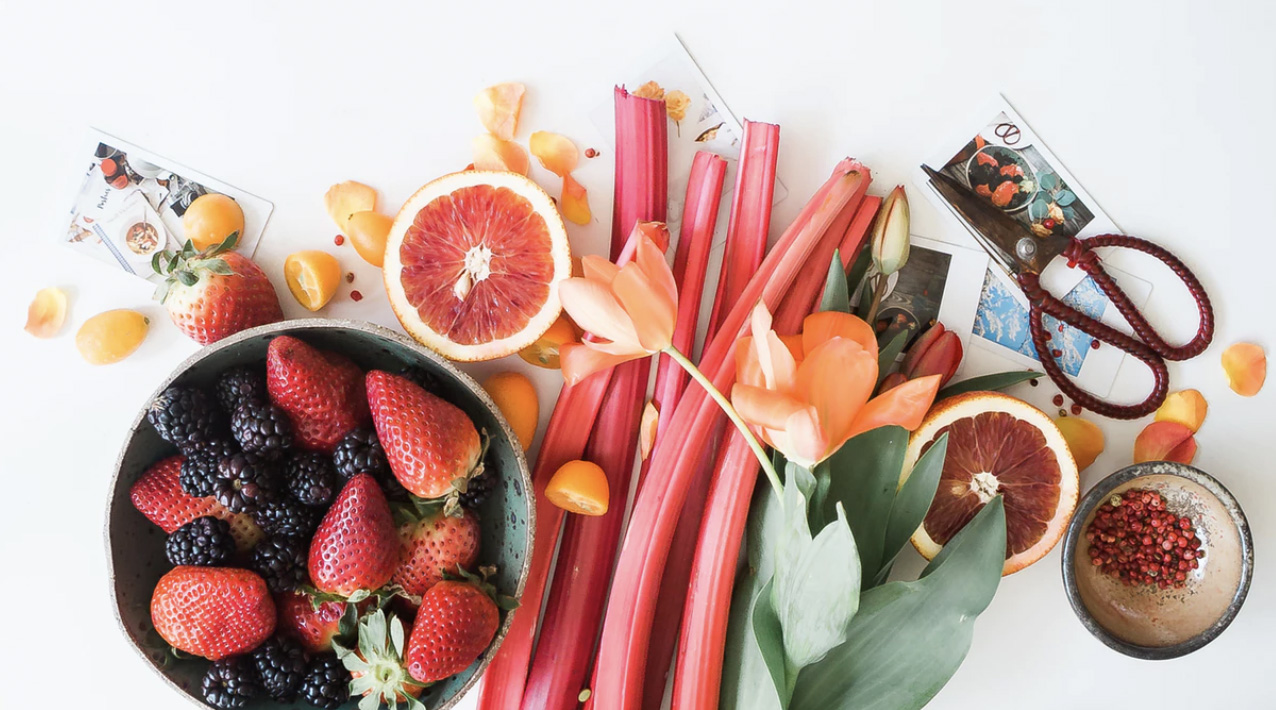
(1042, 303)
(1080, 253)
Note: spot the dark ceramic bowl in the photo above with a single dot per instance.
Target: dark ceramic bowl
(135, 547)
(1148, 622)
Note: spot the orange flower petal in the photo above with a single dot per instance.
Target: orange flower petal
(556, 153)
(498, 108)
(594, 307)
(652, 314)
(763, 407)
(580, 360)
(794, 344)
(807, 442)
(836, 379)
(778, 366)
(573, 203)
(651, 259)
(825, 325)
(1164, 441)
(1187, 407)
(905, 405)
(647, 429)
(747, 369)
(492, 153)
(596, 268)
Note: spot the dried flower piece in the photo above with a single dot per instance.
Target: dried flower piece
(492, 153)
(47, 313)
(498, 108)
(650, 90)
(709, 133)
(1246, 368)
(556, 153)
(346, 198)
(1187, 408)
(647, 429)
(676, 104)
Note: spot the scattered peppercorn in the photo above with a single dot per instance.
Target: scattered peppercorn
(591, 153)
(1094, 345)
(1058, 400)
(339, 240)
(1032, 383)
(1076, 409)
(1057, 353)
(350, 277)
(1135, 539)
(356, 296)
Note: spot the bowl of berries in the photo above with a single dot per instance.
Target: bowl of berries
(319, 513)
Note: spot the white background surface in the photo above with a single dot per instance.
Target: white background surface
(1164, 111)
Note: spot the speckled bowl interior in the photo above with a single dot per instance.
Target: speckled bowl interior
(135, 547)
(1148, 622)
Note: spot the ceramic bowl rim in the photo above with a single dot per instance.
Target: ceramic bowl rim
(300, 326)
(1096, 496)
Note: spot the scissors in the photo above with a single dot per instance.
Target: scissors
(1023, 256)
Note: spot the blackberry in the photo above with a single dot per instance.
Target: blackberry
(479, 488)
(285, 516)
(186, 418)
(312, 479)
(261, 428)
(244, 482)
(424, 379)
(326, 683)
(205, 541)
(360, 452)
(281, 561)
(199, 474)
(240, 384)
(281, 664)
(231, 682)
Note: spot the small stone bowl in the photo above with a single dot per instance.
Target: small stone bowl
(1151, 623)
(135, 547)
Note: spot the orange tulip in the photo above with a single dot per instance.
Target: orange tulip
(807, 396)
(629, 310)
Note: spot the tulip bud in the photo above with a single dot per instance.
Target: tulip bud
(890, 233)
(937, 352)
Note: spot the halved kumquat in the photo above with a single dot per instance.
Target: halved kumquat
(516, 397)
(312, 277)
(368, 231)
(579, 487)
(544, 352)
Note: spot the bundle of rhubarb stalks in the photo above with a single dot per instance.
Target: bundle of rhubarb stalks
(622, 598)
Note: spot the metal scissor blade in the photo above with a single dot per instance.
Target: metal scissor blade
(1008, 242)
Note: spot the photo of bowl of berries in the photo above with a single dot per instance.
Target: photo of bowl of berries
(1003, 176)
(1158, 560)
(319, 513)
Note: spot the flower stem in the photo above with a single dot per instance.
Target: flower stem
(879, 290)
(731, 413)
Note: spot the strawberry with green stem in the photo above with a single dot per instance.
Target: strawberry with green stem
(322, 392)
(377, 664)
(216, 292)
(454, 625)
(433, 543)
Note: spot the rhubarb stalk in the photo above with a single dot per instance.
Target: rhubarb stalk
(623, 648)
(698, 673)
(574, 612)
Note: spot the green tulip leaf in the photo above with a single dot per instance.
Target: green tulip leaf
(837, 295)
(863, 477)
(912, 502)
(769, 635)
(910, 637)
(997, 381)
(746, 682)
(855, 275)
(886, 357)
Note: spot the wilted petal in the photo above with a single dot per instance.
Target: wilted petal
(594, 308)
(763, 407)
(652, 315)
(580, 361)
(492, 153)
(905, 405)
(821, 327)
(836, 379)
(555, 152)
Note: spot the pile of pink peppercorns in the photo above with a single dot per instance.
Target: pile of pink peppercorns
(1135, 539)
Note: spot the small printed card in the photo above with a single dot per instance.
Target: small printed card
(130, 205)
(707, 125)
(1006, 162)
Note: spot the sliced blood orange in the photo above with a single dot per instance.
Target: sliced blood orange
(473, 263)
(997, 444)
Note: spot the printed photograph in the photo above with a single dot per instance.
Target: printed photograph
(916, 295)
(1002, 320)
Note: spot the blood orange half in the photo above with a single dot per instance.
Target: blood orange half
(997, 444)
(473, 263)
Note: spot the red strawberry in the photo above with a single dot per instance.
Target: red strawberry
(454, 625)
(313, 628)
(212, 612)
(433, 545)
(322, 392)
(216, 292)
(380, 671)
(357, 545)
(159, 496)
(431, 445)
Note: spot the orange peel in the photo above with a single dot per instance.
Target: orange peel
(1246, 368)
(346, 198)
(498, 107)
(47, 313)
(556, 153)
(493, 153)
(1187, 407)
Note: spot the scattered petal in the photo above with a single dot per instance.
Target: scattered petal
(574, 202)
(1246, 368)
(647, 429)
(1085, 439)
(555, 152)
(498, 108)
(1165, 441)
(492, 153)
(1187, 408)
(46, 313)
(344, 199)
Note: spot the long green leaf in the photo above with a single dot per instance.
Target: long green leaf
(912, 502)
(886, 357)
(910, 637)
(837, 296)
(769, 634)
(863, 477)
(855, 276)
(996, 381)
(746, 683)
